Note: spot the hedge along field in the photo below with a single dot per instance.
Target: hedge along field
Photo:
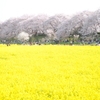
(49, 72)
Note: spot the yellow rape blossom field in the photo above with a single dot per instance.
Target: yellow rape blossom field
(49, 72)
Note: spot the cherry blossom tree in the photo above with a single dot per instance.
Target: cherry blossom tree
(23, 36)
(30, 24)
(33, 25)
(10, 28)
(72, 26)
(50, 26)
(91, 26)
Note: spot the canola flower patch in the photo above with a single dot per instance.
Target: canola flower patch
(49, 72)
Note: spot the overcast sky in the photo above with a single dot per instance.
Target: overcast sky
(16, 8)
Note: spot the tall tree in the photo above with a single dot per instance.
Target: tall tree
(50, 26)
(72, 26)
(91, 25)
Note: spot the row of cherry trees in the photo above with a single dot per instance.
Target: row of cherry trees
(85, 25)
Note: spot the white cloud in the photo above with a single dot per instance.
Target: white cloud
(14, 8)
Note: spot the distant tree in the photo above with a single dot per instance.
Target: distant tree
(33, 25)
(10, 28)
(30, 24)
(23, 36)
(91, 26)
(85, 24)
(71, 27)
(50, 26)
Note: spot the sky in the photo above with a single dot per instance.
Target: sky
(16, 8)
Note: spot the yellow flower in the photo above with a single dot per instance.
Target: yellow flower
(49, 72)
